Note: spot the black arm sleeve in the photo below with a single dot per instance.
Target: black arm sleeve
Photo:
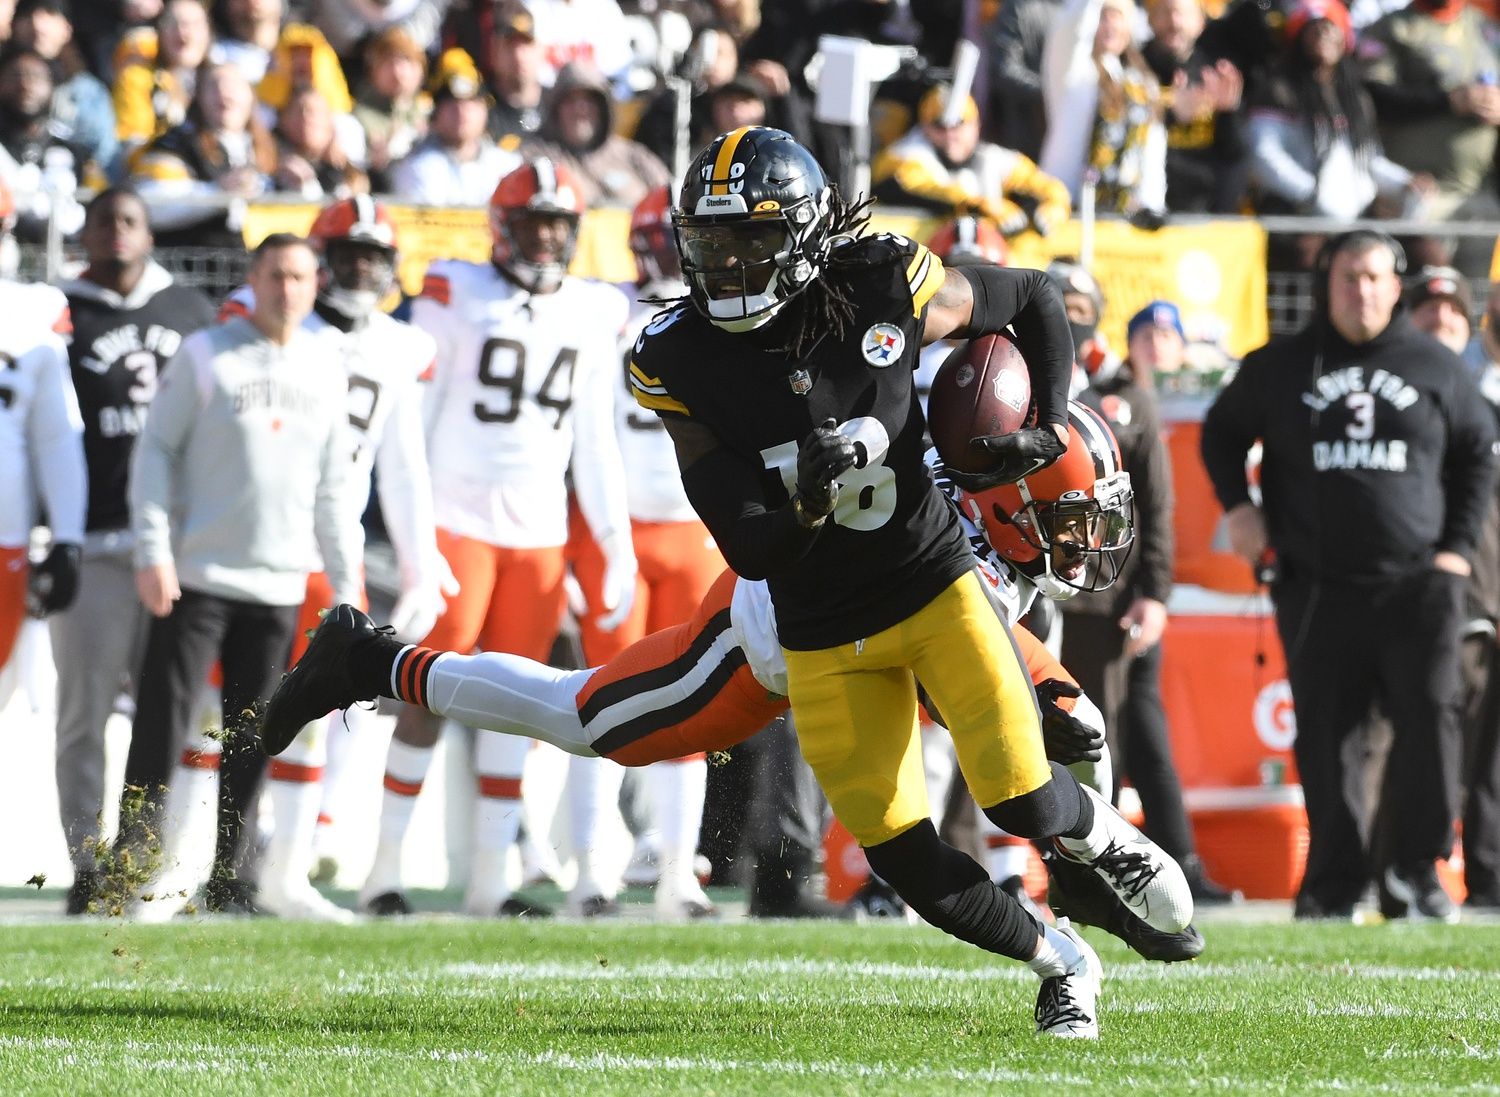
(1468, 469)
(757, 543)
(1230, 428)
(1029, 302)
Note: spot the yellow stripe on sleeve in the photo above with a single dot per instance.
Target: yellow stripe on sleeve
(926, 281)
(652, 395)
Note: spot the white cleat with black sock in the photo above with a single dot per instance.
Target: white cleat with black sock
(1147, 880)
(1067, 1005)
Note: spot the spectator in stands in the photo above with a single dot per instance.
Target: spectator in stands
(43, 166)
(236, 477)
(304, 59)
(246, 31)
(7, 17)
(710, 63)
(942, 165)
(1440, 305)
(1314, 146)
(577, 127)
(1104, 109)
(390, 105)
(1206, 155)
(1432, 71)
(515, 66)
(1018, 112)
(156, 74)
(80, 101)
(457, 163)
(1112, 639)
(196, 176)
(311, 162)
(129, 316)
(345, 23)
(740, 102)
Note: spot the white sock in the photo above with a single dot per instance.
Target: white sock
(405, 770)
(498, 762)
(593, 793)
(1054, 955)
(511, 695)
(1006, 856)
(189, 818)
(1098, 838)
(294, 792)
(348, 734)
(677, 791)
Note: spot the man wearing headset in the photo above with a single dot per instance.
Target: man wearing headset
(1376, 471)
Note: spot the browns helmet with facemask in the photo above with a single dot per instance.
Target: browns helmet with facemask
(752, 224)
(651, 240)
(969, 240)
(539, 195)
(356, 238)
(1069, 527)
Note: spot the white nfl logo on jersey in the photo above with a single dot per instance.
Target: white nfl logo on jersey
(883, 344)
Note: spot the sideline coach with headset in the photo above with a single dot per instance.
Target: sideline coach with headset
(1377, 470)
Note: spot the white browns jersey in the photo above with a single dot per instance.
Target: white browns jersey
(41, 437)
(653, 482)
(524, 384)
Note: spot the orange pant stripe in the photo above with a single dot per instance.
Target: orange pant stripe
(402, 788)
(291, 771)
(500, 788)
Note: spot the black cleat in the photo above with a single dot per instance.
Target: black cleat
(230, 895)
(520, 908)
(323, 680)
(1309, 908)
(83, 892)
(388, 904)
(595, 906)
(1076, 892)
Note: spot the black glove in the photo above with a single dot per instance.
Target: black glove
(53, 584)
(1021, 453)
(1067, 738)
(825, 453)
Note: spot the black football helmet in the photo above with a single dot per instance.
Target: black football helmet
(752, 225)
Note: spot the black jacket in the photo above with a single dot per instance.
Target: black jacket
(1375, 456)
(1134, 416)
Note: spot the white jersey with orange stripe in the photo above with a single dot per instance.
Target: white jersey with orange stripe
(41, 436)
(653, 482)
(524, 386)
(385, 360)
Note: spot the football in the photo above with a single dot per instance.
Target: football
(982, 388)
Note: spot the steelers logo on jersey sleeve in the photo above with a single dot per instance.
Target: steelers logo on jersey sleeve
(883, 344)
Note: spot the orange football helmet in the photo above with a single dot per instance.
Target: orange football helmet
(538, 189)
(1069, 526)
(651, 239)
(970, 239)
(357, 239)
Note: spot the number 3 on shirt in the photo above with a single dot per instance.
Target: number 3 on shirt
(867, 495)
(502, 365)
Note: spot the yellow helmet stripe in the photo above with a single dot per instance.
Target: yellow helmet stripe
(725, 158)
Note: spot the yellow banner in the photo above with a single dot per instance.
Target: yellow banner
(1216, 273)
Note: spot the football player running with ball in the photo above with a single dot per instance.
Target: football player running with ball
(786, 386)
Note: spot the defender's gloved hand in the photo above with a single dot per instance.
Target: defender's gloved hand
(53, 584)
(1066, 738)
(825, 453)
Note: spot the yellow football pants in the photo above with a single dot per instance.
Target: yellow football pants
(856, 711)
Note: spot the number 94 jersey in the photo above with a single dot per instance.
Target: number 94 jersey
(893, 543)
(522, 381)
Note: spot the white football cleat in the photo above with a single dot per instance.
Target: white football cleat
(681, 901)
(1147, 880)
(1067, 1005)
(301, 902)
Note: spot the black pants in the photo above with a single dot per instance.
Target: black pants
(252, 644)
(1347, 646)
(1481, 766)
(1128, 693)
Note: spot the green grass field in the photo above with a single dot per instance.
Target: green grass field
(457, 1007)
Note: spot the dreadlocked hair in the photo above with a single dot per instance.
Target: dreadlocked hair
(823, 308)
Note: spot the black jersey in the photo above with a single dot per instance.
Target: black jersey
(118, 350)
(893, 543)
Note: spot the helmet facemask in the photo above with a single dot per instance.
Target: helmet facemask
(743, 268)
(523, 250)
(358, 274)
(1082, 539)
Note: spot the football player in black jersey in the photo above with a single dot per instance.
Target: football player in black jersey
(786, 385)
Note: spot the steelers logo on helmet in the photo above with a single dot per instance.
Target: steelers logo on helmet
(752, 226)
(356, 238)
(883, 344)
(1069, 526)
(534, 217)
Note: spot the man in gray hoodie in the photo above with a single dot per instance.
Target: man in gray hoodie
(238, 473)
(578, 130)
